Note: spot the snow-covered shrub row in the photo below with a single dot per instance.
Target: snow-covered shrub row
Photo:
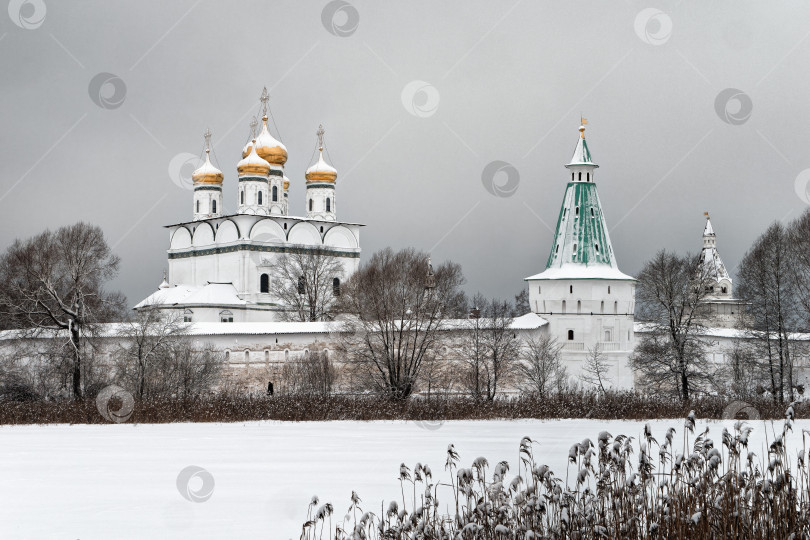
(615, 487)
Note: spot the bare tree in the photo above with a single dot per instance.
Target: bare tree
(540, 369)
(670, 300)
(54, 283)
(522, 306)
(314, 375)
(741, 374)
(397, 307)
(490, 347)
(799, 242)
(596, 370)
(191, 370)
(767, 281)
(307, 283)
(147, 339)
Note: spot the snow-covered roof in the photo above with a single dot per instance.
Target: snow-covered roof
(321, 166)
(712, 263)
(214, 294)
(265, 140)
(581, 271)
(582, 155)
(731, 333)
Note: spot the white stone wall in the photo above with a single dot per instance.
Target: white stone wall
(318, 196)
(204, 203)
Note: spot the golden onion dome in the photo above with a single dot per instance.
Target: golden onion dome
(268, 148)
(248, 147)
(207, 174)
(321, 171)
(252, 164)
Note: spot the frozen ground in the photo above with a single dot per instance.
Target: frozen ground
(120, 481)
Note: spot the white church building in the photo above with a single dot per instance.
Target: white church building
(218, 264)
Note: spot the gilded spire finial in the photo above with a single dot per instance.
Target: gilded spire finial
(320, 133)
(207, 136)
(582, 123)
(265, 98)
(254, 123)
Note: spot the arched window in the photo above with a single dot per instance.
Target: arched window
(608, 289)
(214, 206)
(336, 287)
(225, 316)
(302, 284)
(563, 307)
(579, 307)
(275, 193)
(588, 177)
(198, 206)
(597, 247)
(247, 356)
(558, 249)
(227, 356)
(572, 177)
(615, 308)
(310, 205)
(607, 335)
(241, 197)
(592, 213)
(571, 289)
(328, 204)
(579, 177)
(188, 315)
(576, 212)
(260, 197)
(570, 335)
(264, 283)
(602, 307)
(575, 249)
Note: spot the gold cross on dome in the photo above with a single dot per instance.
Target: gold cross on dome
(265, 98)
(582, 120)
(253, 125)
(207, 136)
(320, 133)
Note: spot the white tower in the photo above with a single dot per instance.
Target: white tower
(321, 179)
(207, 186)
(253, 183)
(725, 311)
(588, 302)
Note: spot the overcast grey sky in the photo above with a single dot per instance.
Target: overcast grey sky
(506, 82)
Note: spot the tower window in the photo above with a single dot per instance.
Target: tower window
(608, 289)
(264, 283)
(558, 249)
(310, 205)
(571, 289)
(602, 307)
(597, 247)
(575, 249)
(336, 287)
(579, 307)
(572, 177)
(275, 193)
(588, 177)
(260, 197)
(241, 197)
(576, 212)
(592, 213)
(214, 206)
(570, 335)
(563, 307)
(615, 308)
(198, 206)
(579, 177)
(328, 204)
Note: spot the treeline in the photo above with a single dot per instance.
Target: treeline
(674, 298)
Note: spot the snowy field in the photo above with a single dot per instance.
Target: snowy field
(120, 481)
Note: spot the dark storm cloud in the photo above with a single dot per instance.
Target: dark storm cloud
(693, 107)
